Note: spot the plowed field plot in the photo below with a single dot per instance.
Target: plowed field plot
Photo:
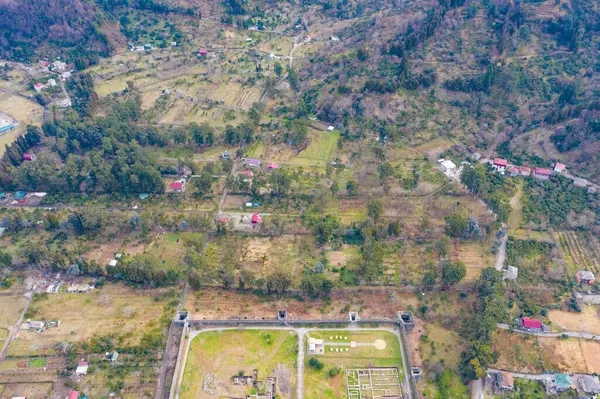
(236, 95)
(579, 250)
(112, 309)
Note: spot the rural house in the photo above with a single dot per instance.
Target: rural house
(256, 219)
(177, 185)
(559, 168)
(589, 383)
(73, 395)
(272, 165)
(28, 157)
(542, 173)
(500, 164)
(585, 277)
(524, 171)
(316, 346)
(562, 382)
(505, 381)
(38, 87)
(447, 166)
(247, 172)
(254, 163)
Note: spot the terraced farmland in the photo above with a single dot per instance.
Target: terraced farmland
(579, 250)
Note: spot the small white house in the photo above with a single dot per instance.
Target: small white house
(447, 166)
(113, 262)
(82, 368)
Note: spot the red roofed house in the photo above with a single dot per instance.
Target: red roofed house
(202, 53)
(272, 165)
(585, 277)
(38, 87)
(500, 164)
(176, 186)
(542, 173)
(530, 324)
(247, 172)
(73, 395)
(28, 157)
(514, 171)
(559, 168)
(222, 219)
(525, 171)
(256, 219)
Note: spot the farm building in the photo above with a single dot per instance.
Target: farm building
(589, 383)
(73, 395)
(500, 164)
(28, 157)
(505, 381)
(585, 277)
(82, 368)
(529, 324)
(272, 165)
(559, 167)
(256, 219)
(542, 173)
(254, 163)
(562, 382)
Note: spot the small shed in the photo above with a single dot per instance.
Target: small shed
(114, 356)
(73, 395)
(256, 219)
(19, 195)
(113, 262)
(272, 165)
(28, 157)
(202, 53)
(331, 128)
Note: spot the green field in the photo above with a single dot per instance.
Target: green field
(320, 384)
(320, 150)
(219, 355)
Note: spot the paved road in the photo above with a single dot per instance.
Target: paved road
(300, 366)
(571, 334)
(301, 333)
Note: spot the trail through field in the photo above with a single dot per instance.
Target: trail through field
(516, 207)
(13, 330)
(501, 253)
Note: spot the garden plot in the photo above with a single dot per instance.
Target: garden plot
(373, 383)
(215, 358)
(114, 309)
(26, 390)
